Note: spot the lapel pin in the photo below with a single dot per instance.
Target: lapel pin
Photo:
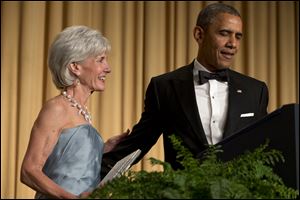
(239, 91)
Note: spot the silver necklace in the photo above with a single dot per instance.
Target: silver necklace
(86, 114)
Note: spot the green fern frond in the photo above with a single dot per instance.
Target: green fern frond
(247, 176)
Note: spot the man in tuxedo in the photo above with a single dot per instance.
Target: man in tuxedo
(203, 102)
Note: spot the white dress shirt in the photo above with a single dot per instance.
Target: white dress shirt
(212, 102)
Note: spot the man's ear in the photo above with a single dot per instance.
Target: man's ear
(198, 34)
(74, 68)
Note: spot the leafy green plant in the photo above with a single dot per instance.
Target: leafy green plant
(248, 176)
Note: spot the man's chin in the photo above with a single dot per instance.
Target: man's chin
(223, 67)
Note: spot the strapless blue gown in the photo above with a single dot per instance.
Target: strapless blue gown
(75, 161)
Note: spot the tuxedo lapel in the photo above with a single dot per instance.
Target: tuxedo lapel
(185, 92)
(235, 104)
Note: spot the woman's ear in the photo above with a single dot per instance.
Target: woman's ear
(74, 68)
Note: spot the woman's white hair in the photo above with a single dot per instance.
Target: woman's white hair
(73, 44)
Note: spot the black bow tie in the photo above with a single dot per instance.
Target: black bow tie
(220, 75)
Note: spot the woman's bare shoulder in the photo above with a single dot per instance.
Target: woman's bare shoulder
(53, 111)
(53, 106)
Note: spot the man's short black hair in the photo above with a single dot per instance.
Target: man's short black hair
(208, 14)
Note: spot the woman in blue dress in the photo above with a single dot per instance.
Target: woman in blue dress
(64, 154)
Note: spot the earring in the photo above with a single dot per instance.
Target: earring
(77, 82)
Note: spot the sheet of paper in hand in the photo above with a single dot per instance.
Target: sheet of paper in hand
(121, 166)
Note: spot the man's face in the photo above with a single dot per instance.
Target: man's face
(220, 42)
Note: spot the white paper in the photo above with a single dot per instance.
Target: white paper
(121, 166)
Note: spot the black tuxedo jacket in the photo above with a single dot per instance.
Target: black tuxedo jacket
(171, 108)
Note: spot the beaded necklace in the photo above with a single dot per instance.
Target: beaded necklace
(86, 114)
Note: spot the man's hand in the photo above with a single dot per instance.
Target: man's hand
(111, 143)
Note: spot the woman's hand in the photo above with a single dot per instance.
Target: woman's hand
(111, 143)
(84, 195)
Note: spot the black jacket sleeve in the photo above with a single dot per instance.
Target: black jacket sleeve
(144, 134)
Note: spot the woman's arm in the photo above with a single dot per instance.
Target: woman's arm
(44, 136)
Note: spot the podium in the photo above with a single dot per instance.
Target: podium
(281, 128)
